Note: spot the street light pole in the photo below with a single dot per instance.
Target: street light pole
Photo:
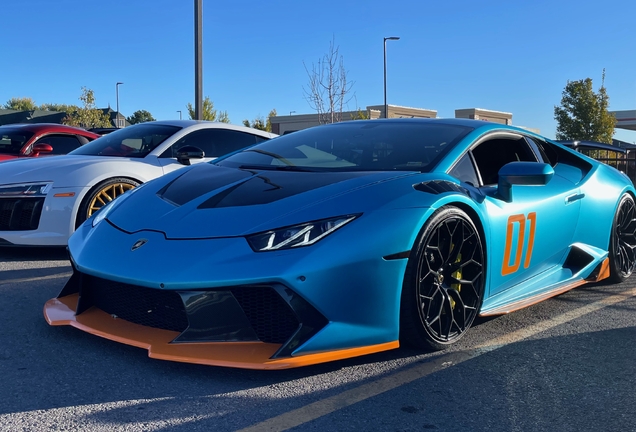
(117, 91)
(179, 111)
(386, 107)
(198, 60)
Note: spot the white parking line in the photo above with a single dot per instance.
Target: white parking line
(34, 279)
(331, 404)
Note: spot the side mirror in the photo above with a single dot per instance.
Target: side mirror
(184, 154)
(523, 174)
(41, 148)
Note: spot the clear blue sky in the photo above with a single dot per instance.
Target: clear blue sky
(514, 56)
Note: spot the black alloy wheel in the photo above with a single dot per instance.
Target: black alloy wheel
(444, 281)
(622, 252)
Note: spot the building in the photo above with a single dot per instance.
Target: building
(117, 119)
(625, 119)
(286, 124)
(484, 114)
(34, 116)
(8, 116)
(291, 123)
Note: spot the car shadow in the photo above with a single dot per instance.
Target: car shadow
(526, 377)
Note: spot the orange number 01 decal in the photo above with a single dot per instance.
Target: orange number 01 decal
(522, 220)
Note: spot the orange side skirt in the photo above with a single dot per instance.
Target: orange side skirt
(604, 273)
(247, 355)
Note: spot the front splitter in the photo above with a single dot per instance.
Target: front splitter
(246, 355)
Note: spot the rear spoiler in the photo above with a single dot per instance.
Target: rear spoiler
(590, 145)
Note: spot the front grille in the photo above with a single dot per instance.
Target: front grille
(269, 315)
(271, 318)
(20, 214)
(140, 305)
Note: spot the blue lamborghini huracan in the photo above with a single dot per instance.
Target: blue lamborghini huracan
(346, 239)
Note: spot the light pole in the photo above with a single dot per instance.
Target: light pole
(291, 112)
(117, 91)
(198, 60)
(179, 111)
(386, 107)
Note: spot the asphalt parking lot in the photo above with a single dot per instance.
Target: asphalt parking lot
(567, 364)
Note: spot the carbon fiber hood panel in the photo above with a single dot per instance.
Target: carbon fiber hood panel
(209, 201)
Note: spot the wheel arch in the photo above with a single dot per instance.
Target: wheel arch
(479, 223)
(407, 322)
(617, 261)
(82, 199)
(466, 204)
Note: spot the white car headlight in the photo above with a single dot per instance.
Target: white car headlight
(24, 190)
(298, 235)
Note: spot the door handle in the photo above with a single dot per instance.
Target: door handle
(574, 197)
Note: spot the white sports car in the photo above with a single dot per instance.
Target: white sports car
(43, 200)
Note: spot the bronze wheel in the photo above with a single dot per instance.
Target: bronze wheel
(101, 195)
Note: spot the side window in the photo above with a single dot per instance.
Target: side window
(464, 171)
(547, 152)
(214, 142)
(61, 144)
(83, 140)
(493, 154)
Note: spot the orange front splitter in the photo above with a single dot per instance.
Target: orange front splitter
(247, 355)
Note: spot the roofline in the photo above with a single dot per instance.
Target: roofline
(188, 123)
(591, 145)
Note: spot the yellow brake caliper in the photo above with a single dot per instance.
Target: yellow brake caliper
(457, 275)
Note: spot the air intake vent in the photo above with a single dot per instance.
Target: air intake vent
(140, 305)
(437, 187)
(20, 214)
(271, 318)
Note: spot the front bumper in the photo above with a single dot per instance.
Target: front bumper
(170, 345)
(52, 220)
(344, 300)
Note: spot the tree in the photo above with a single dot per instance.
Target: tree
(140, 116)
(57, 107)
(328, 89)
(360, 115)
(88, 116)
(20, 104)
(583, 114)
(209, 113)
(257, 123)
(260, 123)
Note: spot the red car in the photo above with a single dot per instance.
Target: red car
(35, 139)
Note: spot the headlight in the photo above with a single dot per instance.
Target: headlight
(26, 190)
(298, 235)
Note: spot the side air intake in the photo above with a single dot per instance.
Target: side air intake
(437, 187)
(577, 260)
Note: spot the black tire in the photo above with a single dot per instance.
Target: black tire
(101, 194)
(444, 281)
(622, 250)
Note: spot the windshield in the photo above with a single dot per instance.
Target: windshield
(13, 139)
(133, 141)
(374, 145)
